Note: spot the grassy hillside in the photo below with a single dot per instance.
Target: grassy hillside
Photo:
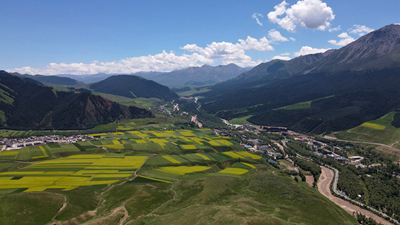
(380, 131)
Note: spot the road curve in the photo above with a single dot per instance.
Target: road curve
(324, 184)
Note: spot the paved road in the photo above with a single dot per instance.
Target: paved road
(364, 142)
(324, 184)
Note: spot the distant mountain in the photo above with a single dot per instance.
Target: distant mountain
(27, 104)
(87, 79)
(148, 75)
(55, 80)
(132, 86)
(205, 74)
(338, 89)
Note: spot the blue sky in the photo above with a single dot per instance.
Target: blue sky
(87, 37)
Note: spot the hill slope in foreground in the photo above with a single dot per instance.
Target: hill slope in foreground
(26, 104)
(206, 179)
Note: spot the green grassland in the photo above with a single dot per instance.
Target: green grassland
(241, 120)
(203, 178)
(379, 131)
(301, 105)
(138, 102)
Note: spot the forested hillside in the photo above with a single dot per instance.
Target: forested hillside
(133, 87)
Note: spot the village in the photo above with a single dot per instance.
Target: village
(275, 152)
(17, 144)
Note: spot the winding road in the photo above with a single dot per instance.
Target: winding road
(324, 184)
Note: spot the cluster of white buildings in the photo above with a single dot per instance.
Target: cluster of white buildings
(16, 144)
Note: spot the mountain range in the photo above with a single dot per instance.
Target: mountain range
(340, 88)
(27, 104)
(197, 76)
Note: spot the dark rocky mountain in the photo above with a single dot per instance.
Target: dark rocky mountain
(27, 104)
(343, 88)
(132, 86)
(197, 76)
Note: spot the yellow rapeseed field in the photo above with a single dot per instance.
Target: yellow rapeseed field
(233, 155)
(85, 168)
(171, 159)
(203, 156)
(249, 165)
(373, 125)
(182, 170)
(236, 171)
(188, 146)
(247, 154)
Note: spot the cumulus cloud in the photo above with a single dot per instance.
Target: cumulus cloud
(335, 29)
(286, 53)
(306, 50)
(292, 39)
(360, 30)
(226, 52)
(345, 40)
(286, 58)
(255, 16)
(311, 14)
(275, 36)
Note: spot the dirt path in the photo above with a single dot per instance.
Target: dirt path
(324, 184)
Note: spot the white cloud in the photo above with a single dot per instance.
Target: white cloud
(306, 50)
(311, 14)
(286, 53)
(286, 58)
(335, 29)
(292, 39)
(360, 30)
(275, 36)
(255, 16)
(345, 40)
(224, 51)
(253, 44)
(191, 48)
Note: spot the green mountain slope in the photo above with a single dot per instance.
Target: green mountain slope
(133, 87)
(25, 104)
(356, 95)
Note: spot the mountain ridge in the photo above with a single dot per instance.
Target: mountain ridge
(132, 86)
(26, 104)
